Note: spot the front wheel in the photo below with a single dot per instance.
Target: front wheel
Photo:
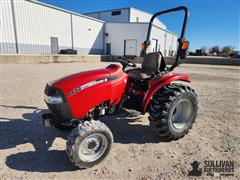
(89, 143)
(173, 111)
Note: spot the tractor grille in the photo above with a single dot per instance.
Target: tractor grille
(61, 112)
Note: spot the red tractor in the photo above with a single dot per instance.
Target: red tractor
(77, 100)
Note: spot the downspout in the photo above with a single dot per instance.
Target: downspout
(165, 42)
(72, 31)
(104, 38)
(14, 26)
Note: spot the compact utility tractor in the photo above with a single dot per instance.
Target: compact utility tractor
(76, 101)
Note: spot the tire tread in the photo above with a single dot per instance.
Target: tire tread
(80, 131)
(160, 107)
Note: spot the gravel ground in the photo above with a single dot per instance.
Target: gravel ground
(30, 151)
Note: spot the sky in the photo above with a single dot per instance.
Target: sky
(211, 22)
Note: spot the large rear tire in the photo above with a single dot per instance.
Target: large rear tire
(89, 143)
(173, 110)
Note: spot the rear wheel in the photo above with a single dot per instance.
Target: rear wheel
(173, 111)
(89, 143)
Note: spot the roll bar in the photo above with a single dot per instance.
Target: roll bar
(180, 40)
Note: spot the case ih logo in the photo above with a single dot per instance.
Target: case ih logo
(212, 168)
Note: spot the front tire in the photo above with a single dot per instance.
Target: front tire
(173, 111)
(89, 143)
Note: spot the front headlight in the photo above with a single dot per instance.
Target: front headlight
(56, 99)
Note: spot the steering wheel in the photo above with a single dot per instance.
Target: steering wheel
(125, 62)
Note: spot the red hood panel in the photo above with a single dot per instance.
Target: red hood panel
(72, 81)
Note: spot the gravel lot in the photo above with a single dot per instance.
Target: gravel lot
(30, 151)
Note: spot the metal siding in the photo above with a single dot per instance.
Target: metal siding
(144, 17)
(36, 24)
(174, 43)
(7, 37)
(72, 31)
(87, 41)
(107, 16)
(168, 43)
(160, 36)
(118, 32)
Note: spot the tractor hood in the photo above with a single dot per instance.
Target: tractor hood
(70, 82)
(80, 92)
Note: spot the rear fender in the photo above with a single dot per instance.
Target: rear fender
(157, 84)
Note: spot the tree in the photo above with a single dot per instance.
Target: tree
(215, 49)
(227, 50)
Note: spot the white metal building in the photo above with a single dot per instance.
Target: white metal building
(126, 39)
(126, 29)
(31, 27)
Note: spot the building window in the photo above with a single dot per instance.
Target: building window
(116, 13)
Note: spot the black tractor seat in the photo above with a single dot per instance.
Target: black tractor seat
(153, 64)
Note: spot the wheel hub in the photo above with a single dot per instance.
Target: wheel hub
(92, 147)
(92, 144)
(181, 113)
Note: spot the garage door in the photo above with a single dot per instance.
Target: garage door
(130, 47)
